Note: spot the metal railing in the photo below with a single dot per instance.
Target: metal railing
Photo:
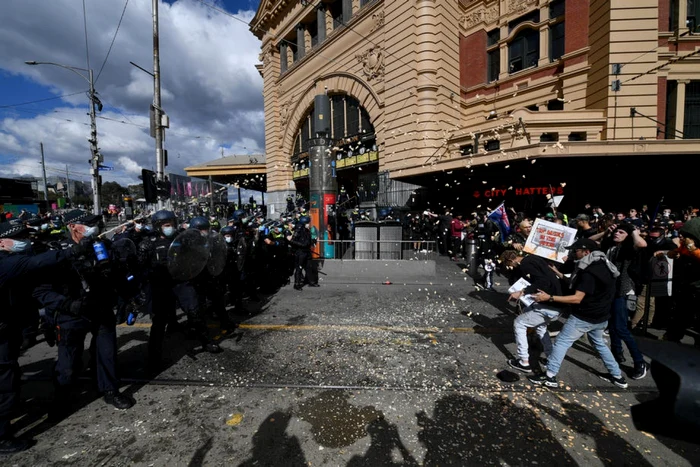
(397, 250)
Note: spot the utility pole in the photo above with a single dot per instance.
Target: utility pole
(43, 169)
(95, 156)
(157, 111)
(67, 183)
(211, 195)
(94, 150)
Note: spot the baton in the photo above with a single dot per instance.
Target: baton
(122, 225)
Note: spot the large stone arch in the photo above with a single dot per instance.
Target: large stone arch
(337, 82)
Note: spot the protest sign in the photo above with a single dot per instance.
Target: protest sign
(549, 240)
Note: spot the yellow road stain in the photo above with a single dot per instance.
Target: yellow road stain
(235, 420)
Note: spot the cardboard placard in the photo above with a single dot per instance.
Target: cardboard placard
(549, 240)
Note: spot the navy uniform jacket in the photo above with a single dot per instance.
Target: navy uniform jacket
(16, 273)
(82, 278)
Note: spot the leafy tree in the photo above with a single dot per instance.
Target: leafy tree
(112, 193)
(136, 191)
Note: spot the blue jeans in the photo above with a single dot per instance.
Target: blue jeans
(619, 332)
(573, 329)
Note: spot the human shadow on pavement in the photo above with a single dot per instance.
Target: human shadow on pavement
(272, 446)
(201, 453)
(384, 438)
(464, 430)
(611, 448)
(498, 329)
(684, 449)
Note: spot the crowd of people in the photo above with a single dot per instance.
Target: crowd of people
(61, 275)
(603, 285)
(65, 276)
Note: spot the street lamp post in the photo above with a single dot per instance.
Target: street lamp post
(96, 158)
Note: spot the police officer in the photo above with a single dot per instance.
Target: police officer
(81, 298)
(301, 243)
(17, 269)
(214, 223)
(209, 287)
(153, 255)
(234, 273)
(192, 301)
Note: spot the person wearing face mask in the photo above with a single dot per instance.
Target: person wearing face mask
(162, 299)
(18, 274)
(207, 286)
(623, 248)
(234, 273)
(81, 299)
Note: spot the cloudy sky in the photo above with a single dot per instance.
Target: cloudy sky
(210, 88)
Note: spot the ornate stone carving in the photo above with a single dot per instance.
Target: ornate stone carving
(267, 57)
(372, 61)
(284, 113)
(480, 15)
(515, 6)
(378, 20)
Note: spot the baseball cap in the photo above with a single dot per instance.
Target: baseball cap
(583, 244)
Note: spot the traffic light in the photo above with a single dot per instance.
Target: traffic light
(150, 190)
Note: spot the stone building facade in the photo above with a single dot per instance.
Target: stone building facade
(444, 93)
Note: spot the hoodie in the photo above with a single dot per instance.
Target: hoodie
(595, 276)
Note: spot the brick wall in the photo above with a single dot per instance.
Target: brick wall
(661, 106)
(472, 59)
(576, 18)
(664, 11)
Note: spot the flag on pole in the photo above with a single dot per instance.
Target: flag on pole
(500, 217)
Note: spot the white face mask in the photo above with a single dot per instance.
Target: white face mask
(90, 232)
(228, 239)
(138, 227)
(168, 231)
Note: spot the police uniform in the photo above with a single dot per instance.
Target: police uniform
(301, 242)
(82, 297)
(165, 292)
(16, 273)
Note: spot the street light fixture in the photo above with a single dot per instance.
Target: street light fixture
(96, 158)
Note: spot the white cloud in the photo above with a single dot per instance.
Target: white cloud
(130, 165)
(210, 88)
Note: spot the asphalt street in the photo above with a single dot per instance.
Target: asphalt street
(354, 373)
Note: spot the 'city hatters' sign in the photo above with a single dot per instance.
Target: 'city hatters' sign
(519, 191)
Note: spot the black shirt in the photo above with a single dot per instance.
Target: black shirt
(588, 233)
(598, 283)
(536, 271)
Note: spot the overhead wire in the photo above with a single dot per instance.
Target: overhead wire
(39, 100)
(113, 39)
(667, 62)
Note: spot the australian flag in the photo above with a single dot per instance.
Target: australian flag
(500, 217)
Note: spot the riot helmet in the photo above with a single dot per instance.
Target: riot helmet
(159, 218)
(199, 223)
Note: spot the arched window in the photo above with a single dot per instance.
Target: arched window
(348, 120)
(524, 50)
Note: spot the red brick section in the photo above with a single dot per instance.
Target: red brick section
(664, 12)
(472, 59)
(576, 18)
(661, 106)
